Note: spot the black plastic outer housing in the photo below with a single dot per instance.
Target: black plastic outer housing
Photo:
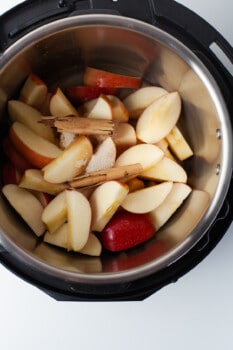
(196, 34)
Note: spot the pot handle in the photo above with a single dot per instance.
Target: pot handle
(31, 14)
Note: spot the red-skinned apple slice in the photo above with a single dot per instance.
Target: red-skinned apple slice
(172, 202)
(120, 113)
(80, 94)
(33, 147)
(159, 118)
(10, 175)
(27, 206)
(30, 117)
(145, 154)
(34, 91)
(99, 108)
(79, 219)
(104, 156)
(33, 179)
(71, 162)
(60, 238)
(146, 199)
(20, 163)
(55, 213)
(166, 170)
(105, 201)
(140, 99)
(60, 106)
(126, 230)
(102, 78)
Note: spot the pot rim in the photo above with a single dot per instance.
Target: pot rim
(226, 167)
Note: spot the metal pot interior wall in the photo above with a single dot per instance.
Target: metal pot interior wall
(58, 53)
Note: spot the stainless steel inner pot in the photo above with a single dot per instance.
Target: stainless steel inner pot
(58, 52)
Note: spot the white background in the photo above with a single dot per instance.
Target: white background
(194, 313)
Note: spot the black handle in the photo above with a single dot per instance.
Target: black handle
(33, 13)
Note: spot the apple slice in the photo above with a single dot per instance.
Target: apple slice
(120, 113)
(55, 213)
(33, 147)
(178, 144)
(145, 154)
(80, 94)
(102, 78)
(27, 206)
(124, 136)
(163, 144)
(79, 219)
(30, 117)
(34, 91)
(33, 179)
(66, 138)
(99, 108)
(159, 118)
(104, 156)
(60, 238)
(70, 163)
(10, 175)
(147, 199)
(140, 99)
(166, 170)
(105, 201)
(60, 106)
(172, 202)
(20, 163)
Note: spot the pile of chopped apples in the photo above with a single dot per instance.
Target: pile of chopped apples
(87, 169)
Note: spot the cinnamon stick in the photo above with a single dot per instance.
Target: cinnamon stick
(98, 177)
(78, 125)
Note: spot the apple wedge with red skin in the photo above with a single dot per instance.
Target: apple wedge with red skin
(19, 162)
(80, 94)
(27, 206)
(60, 106)
(36, 150)
(102, 78)
(126, 230)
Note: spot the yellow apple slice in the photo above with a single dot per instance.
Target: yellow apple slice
(98, 108)
(70, 163)
(59, 238)
(159, 118)
(166, 170)
(55, 213)
(163, 144)
(124, 136)
(140, 99)
(34, 148)
(79, 219)
(104, 156)
(60, 106)
(145, 154)
(120, 113)
(33, 179)
(146, 199)
(31, 117)
(27, 206)
(34, 91)
(178, 144)
(172, 202)
(104, 202)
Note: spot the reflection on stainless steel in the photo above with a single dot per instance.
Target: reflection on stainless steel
(58, 53)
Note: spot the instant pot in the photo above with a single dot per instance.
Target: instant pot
(167, 45)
